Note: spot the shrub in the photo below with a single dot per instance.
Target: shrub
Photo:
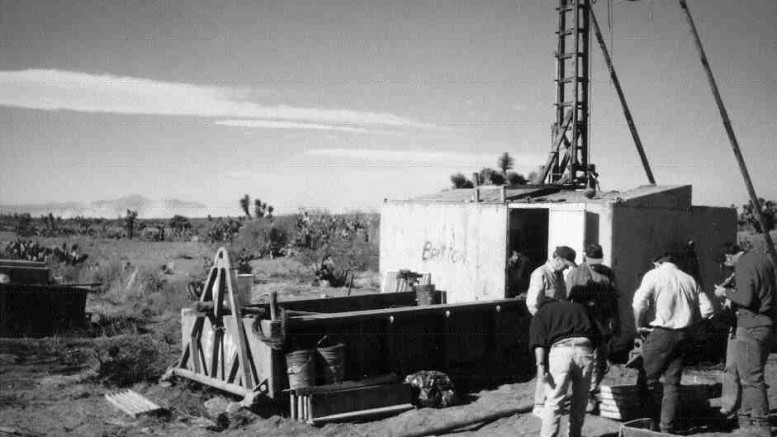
(336, 244)
(748, 220)
(222, 230)
(127, 359)
(259, 238)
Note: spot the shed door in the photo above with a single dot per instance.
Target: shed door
(568, 228)
(528, 235)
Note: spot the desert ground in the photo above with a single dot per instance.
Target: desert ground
(56, 385)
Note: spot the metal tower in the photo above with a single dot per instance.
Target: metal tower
(568, 161)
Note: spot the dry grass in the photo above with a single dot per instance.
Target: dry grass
(136, 333)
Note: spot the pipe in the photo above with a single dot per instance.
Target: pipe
(731, 136)
(452, 426)
(622, 98)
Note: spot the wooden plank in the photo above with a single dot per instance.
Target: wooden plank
(390, 282)
(346, 303)
(357, 399)
(133, 403)
(216, 355)
(347, 385)
(239, 336)
(212, 382)
(394, 409)
(21, 263)
(414, 311)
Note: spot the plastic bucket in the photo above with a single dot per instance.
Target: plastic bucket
(333, 358)
(427, 295)
(301, 368)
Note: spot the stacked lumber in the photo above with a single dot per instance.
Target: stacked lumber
(393, 283)
(348, 400)
(623, 402)
(620, 402)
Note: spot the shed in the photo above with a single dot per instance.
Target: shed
(30, 305)
(463, 237)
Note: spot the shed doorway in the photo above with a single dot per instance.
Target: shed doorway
(528, 236)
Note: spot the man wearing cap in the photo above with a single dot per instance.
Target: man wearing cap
(679, 305)
(547, 283)
(753, 297)
(595, 283)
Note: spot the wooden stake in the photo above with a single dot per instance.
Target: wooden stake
(730, 131)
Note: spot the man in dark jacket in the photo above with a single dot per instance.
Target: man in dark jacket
(595, 282)
(754, 300)
(563, 338)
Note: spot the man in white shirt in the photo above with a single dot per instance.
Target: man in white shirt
(679, 305)
(547, 283)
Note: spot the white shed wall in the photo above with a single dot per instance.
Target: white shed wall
(463, 246)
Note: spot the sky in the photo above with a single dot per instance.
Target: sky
(340, 104)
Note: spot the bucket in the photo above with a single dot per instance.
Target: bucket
(244, 284)
(300, 367)
(426, 295)
(333, 358)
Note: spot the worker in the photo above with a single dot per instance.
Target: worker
(754, 300)
(596, 282)
(679, 304)
(547, 282)
(518, 271)
(563, 337)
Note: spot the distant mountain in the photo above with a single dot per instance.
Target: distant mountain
(146, 208)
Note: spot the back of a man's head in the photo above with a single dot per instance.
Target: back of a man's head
(667, 257)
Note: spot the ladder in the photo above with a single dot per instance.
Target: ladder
(568, 161)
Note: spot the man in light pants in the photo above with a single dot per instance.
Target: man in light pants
(547, 283)
(564, 332)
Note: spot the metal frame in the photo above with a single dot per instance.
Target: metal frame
(572, 98)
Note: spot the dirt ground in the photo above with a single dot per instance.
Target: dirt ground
(56, 386)
(42, 395)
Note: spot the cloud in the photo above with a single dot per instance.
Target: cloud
(278, 124)
(53, 90)
(420, 158)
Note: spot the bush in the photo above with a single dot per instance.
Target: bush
(336, 244)
(748, 220)
(259, 238)
(127, 359)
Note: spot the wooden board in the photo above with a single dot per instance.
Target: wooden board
(133, 403)
(333, 404)
(373, 412)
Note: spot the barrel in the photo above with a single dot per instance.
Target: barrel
(300, 366)
(333, 360)
(427, 295)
